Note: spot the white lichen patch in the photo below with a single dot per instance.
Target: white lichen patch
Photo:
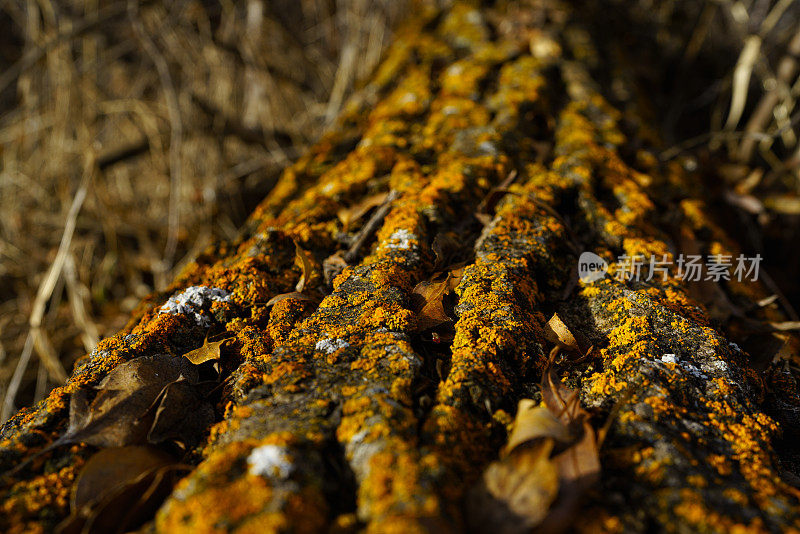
(193, 300)
(271, 461)
(669, 358)
(329, 346)
(487, 148)
(400, 239)
(715, 367)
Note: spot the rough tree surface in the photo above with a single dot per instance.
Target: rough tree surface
(340, 413)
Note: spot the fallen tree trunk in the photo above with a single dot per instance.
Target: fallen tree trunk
(387, 305)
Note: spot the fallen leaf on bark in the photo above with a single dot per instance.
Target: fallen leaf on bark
(305, 264)
(119, 489)
(122, 411)
(429, 296)
(144, 399)
(556, 331)
(110, 468)
(544, 470)
(446, 248)
(579, 464)
(332, 267)
(209, 351)
(516, 492)
(534, 422)
(456, 273)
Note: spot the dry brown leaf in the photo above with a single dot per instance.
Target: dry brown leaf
(305, 264)
(446, 247)
(431, 312)
(130, 501)
(555, 331)
(579, 464)
(535, 485)
(110, 468)
(125, 405)
(211, 350)
(354, 213)
(535, 422)
(516, 492)
(455, 276)
(122, 411)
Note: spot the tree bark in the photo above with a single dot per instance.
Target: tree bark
(372, 421)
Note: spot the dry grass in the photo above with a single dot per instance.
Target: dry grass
(133, 134)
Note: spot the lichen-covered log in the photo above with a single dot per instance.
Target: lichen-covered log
(340, 413)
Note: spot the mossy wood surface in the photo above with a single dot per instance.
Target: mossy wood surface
(377, 425)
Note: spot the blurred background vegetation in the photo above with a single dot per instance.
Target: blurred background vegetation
(132, 134)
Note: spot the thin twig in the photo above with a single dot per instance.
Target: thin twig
(76, 294)
(16, 379)
(372, 225)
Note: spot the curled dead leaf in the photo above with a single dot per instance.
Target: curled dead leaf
(301, 256)
(556, 331)
(535, 422)
(455, 275)
(535, 484)
(448, 250)
(142, 400)
(579, 464)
